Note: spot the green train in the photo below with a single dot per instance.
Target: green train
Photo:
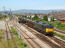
(42, 27)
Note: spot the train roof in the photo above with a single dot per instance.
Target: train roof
(43, 23)
(39, 22)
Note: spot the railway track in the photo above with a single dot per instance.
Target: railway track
(62, 43)
(58, 44)
(30, 40)
(26, 40)
(16, 46)
(35, 43)
(9, 35)
(7, 32)
(60, 31)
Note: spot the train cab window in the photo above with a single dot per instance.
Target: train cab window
(49, 26)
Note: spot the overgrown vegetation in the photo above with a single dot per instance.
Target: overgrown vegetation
(14, 31)
(1, 34)
(3, 42)
(45, 18)
(52, 19)
(20, 43)
(35, 17)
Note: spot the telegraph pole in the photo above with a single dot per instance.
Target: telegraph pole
(10, 13)
(4, 10)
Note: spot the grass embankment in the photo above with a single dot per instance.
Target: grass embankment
(59, 35)
(3, 43)
(19, 42)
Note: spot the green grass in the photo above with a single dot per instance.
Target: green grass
(60, 35)
(4, 43)
(61, 26)
(1, 32)
(21, 43)
(1, 35)
(14, 31)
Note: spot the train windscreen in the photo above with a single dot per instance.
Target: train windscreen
(50, 26)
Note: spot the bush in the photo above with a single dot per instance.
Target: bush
(35, 17)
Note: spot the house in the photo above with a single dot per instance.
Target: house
(49, 18)
(62, 20)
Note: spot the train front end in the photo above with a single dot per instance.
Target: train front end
(49, 29)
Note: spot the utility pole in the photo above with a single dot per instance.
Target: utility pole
(10, 13)
(4, 10)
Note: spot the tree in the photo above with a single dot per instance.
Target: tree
(0, 14)
(59, 23)
(35, 17)
(52, 19)
(45, 18)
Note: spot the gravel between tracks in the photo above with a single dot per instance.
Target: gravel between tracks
(33, 37)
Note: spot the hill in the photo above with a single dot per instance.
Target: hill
(35, 11)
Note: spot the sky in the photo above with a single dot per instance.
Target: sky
(32, 4)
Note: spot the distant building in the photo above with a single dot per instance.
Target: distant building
(62, 20)
(32, 16)
(49, 18)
